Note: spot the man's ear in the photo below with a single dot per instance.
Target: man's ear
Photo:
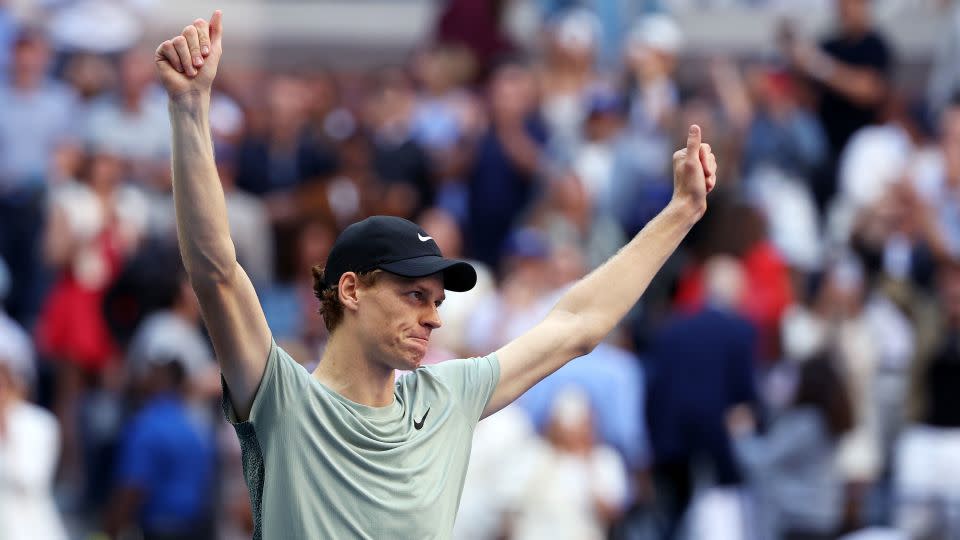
(349, 290)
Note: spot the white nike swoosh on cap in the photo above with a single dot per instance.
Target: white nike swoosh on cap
(424, 238)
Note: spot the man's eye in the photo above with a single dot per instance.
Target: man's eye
(416, 295)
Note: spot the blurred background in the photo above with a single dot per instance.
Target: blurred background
(791, 373)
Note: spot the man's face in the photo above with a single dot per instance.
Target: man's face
(397, 315)
(854, 15)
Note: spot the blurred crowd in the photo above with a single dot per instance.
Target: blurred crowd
(792, 372)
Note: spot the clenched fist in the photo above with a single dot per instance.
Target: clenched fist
(188, 63)
(694, 171)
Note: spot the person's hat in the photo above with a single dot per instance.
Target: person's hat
(397, 246)
(656, 31)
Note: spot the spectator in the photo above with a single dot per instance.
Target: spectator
(38, 117)
(29, 444)
(478, 26)
(134, 122)
(458, 307)
(691, 383)
(174, 331)
(567, 75)
(279, 156)
(506, 163)
(612, 379)
(791, 470)
(402, 166)
(95, 224)
(652, 48)
(166, 464)
(290, 305)
(574, 488)
(926, 482)
(852, 69)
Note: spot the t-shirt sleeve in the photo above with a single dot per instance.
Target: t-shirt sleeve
(283, 384)
(473, 380)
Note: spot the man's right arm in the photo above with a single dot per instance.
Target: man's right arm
(228, 301)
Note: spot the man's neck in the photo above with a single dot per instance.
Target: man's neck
(346, 369)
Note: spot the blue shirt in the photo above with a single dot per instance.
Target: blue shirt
(613, 380)
(164, 454)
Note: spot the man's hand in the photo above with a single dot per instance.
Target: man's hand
(694, 172)
(187, 64)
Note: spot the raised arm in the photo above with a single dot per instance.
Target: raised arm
(187, 65)
(594, 305)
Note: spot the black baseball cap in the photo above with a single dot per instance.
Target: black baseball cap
(395, 245)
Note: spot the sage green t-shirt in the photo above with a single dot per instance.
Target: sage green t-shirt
(321, 466)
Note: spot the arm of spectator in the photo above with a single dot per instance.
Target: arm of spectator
(590, 309)
(58, 242)
(520, 147)
(862, 85)
(732, 92)
(228, 301)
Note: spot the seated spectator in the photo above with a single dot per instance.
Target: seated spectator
(573, 488)
(174, 331)
(926, 478)
(796, 490)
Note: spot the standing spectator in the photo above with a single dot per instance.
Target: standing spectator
(37, 116)
(852, 68)
(278, 154)
(797, 493)
(134, 122)
(402, 166)
(29, 445)
(652, 48)
(95, 224)
(691, 383)
(164, 473)
(506, 164)
(566, 76)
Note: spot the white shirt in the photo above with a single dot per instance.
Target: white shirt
(28, 459)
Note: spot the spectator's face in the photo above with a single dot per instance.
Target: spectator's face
(314, 243)
(135, 73)
(392, 103)
(286, 101)
(31, 59)
(444, 230)
(398, 315)
(106, 171)
(854, 15)
(512, 92)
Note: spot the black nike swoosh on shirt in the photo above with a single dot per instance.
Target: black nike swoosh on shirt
(418, 425)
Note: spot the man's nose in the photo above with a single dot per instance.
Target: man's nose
(432, 319)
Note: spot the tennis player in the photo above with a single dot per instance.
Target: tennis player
(351, 451)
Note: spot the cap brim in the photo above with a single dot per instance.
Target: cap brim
(457, 275)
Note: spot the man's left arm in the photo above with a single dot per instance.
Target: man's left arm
(594, 306)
